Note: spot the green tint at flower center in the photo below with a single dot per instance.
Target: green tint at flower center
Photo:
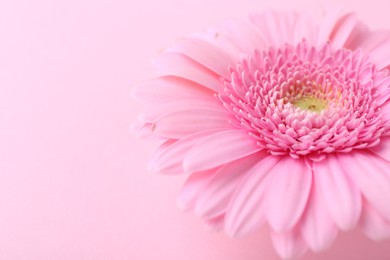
(310, 103)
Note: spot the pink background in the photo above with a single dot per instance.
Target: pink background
(74, 183)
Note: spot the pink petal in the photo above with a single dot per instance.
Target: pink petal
(327, 25)
(339, 193)
(304, 29)
(246, 211)
(343, 30)
(186, 200)
(289, 245)
(166, 88)
(220, 37)
(317, 227)
(380, 56)
(154, 111)
(386, 115)
(383, 149)
(291, 27)
(288, 193)
(179, 65)
(169, 157)
(372, 176)
(161, 149)
(375, 45)
(209, 55)
(359, 33)
(214, 224)
(373, 224)
(218, 192)
(373, 40)
(220, 148)
(182, 123)
(245, 36)
(382, 89)
(270, 22)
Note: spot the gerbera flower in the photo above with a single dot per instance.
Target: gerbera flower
(279, 119)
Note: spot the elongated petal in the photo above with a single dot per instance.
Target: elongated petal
(214, 224)
(182, 123)
(381, 57)
(179, 65)
(340, 195)
(317, 227)
(244, 35)
(386, 117)
(221, 38)
(373, 224)
(376, 45)
(287, 199)
(209, 55)
(372, 176)
(216, 196)
(383, 149)
(289, 245)
(168, 159)
(246, 211)
(327, 25)
(220, 148)
(270, 22)
(186, 200)
(153, 112)
(373, 40)
(169, 87)
(343, 30)
(304, 29)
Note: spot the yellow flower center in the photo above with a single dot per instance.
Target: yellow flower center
(310, 103)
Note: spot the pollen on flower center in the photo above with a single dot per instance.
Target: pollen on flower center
(299, 100)
(310, 96)
(310, 103)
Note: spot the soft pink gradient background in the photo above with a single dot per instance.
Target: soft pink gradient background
(74, 183)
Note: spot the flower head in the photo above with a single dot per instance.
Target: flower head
(281, 120)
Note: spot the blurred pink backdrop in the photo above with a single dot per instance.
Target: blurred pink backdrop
(74, 183)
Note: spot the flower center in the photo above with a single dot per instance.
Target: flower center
(304, 101)
(310, 103)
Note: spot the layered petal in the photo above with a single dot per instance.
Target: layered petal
(218, 149)
(188, 196)
(289, 245)
(291, 27)
(317, 226)
(376, 45)
(386, 118)
(179, 65)
(342, 30)
(214, 224)
(383, 149)
(216, 195)
(168, 88)
(153, 113)
(287, 199)
(373, 224)
(244, 36)
(209, 55)
(182, 123)
(345, 30)
(371, 175)
(246, 211)
(168, 158)
(340, 195)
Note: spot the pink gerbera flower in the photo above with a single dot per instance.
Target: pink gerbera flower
(281, 120)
